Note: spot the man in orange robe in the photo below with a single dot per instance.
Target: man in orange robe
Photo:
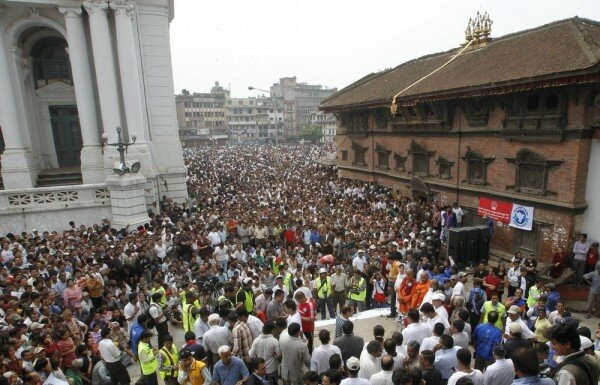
(419, 291)
(405, 291)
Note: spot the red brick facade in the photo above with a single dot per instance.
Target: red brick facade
(565, 147)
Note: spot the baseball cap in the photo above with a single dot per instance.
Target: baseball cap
(248, 281)
(38, 350)
(515, 328)
(353, 363)
(213, 317)
(514, 309)
(322, 271)
(185, 353)
(461, 274)
(360, 251)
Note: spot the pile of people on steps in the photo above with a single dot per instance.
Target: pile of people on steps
(269, 243)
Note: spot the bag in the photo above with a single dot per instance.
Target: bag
(150, 323)
(379, 297)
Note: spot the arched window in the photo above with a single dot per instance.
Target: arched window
(51, 61)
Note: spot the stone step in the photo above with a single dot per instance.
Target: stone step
(59, 177)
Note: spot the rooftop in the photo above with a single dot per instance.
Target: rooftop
(563, 49)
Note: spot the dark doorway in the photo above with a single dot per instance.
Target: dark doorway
(67, 135)
(526, 241)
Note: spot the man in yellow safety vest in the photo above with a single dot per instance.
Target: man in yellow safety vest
(324, 292)
(168, 362)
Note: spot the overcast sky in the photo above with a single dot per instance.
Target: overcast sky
(331, 42)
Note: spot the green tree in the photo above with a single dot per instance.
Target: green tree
(312, 133)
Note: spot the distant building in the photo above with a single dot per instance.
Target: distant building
(328, 124)
(252, 119)
(201, 117)
(299, 101)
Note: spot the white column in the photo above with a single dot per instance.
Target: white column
(92, 164)
(104, 63)
(132, 91)
(128, 68)
(16, 162)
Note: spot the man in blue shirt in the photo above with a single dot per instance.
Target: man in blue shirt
(553, 297)
(526, 366)
(229, 370)
(485, 337)
(136, 334)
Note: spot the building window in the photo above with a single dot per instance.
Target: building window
(476, 167)
(477, 111)
(359, 154)
(532, 172)
(420, 164)
(400, 162)
(541, 113)
(383, 156)
(444, 168)
(345, 155)
(420, 157)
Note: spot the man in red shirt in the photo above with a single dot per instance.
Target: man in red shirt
(491, 282)
(307, 312)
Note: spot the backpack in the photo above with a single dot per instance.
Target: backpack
(150, 323)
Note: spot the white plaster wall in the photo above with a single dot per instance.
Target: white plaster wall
(591, 219)
(53, 219)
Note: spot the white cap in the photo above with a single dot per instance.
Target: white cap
(353, 363)
(438, 297)
(213, 317)
(248, 280)
(322, 270)
(586, 343)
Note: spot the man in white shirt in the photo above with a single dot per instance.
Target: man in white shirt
(214, 338)
(131, 310)
(459, 288)
(384, 377)
(514, 317)
(111, 355)
(437, 300)
(433, 317)
(415, 331)
(429, 343)
(463, 357)
(290, 308)
(320, 356)
(353, 367)
(370, 360)
(160, 249)
(360, 261)
(502, 371)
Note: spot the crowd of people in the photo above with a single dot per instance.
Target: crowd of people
(268, 243)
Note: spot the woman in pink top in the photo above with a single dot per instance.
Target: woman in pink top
(72, 295)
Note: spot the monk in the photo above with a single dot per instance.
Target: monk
(419, 291)
(558, 263)
(405, 291)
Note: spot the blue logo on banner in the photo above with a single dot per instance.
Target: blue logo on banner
(520, 216)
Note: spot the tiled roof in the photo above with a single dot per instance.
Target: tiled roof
(560, 49)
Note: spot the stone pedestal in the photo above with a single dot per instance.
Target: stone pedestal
(127, 200)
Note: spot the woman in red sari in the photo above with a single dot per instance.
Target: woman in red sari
(558, 263)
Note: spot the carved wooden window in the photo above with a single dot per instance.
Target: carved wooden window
(477, 111)
(400, 162)
(540, 113)
(420, 157)
(383, 156)
(444, 168)
(476, 167)
(532, 172)
(345, 155)
(359, 154)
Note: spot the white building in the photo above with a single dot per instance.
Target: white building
(591, 218)
(71, 70)
(328, 124)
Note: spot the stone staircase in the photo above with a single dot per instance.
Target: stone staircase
(59, 177)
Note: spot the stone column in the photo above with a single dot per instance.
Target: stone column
(16, 159)
(104, 63)
(128, 68)
(92, 163)
(132, 91)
